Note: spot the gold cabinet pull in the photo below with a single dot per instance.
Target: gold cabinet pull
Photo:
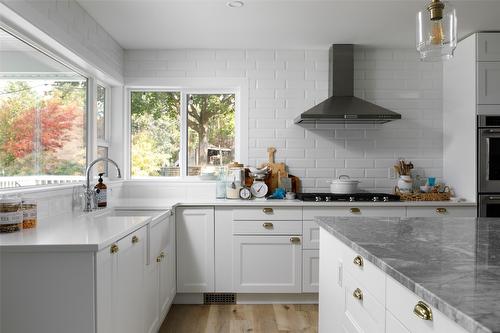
(358, 294)
(295, 240)
(441, 210)
(423, 311)
(135, 239)
(158, 259)
(355, 210)
(268, 225)
(358, 260)
(267, 210)
(114, 248)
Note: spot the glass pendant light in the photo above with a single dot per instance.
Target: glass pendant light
(437, 31)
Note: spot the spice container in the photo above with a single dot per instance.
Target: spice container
(11, 215)
(29, 213)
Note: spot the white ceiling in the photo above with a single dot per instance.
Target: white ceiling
(158, 24)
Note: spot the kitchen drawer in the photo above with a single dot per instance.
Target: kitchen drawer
(392, 325)
(310, 235)
(267, 227)
(401, 303)
(441, 211)
(268, 213)
(367, 274)
(363, 314)
(310, 213)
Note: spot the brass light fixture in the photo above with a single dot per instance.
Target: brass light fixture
(437, 31)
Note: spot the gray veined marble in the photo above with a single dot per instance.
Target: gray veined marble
(452, 263)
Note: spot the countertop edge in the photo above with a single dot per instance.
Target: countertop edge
(448, 310)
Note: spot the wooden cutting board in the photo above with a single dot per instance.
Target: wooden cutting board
(276, 170)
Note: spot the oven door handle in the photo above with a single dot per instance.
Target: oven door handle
(494, 198)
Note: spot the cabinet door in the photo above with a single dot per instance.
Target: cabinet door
(127, 293)
(488, 47)
(171, 248)
(152, 299)
(265, 264)
(195, 250)
(105, 273)
(488, 83)
(310, 273)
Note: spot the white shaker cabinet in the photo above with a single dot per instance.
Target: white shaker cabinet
(195, 249)
(267, 264)
(488, 83)
(310, 271)
(167, 274)
(120, 277)
(488, 46)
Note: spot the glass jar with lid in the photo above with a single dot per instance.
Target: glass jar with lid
(11, 215)
(29, 213)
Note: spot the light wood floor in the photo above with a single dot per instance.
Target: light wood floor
(241, 318)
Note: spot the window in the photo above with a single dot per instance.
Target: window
(101, 112)
(158, 119)
(42, 117)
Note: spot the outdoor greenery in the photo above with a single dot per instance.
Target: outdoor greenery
(42, 127)
(155, 128)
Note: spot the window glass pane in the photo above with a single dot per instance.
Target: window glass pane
(100, 113)
(210, 131)
(42, 117)
(102, 167)
(155, 130)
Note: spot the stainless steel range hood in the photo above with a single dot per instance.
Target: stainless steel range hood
(342, 107)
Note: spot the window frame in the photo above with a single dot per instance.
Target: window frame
(239, 88)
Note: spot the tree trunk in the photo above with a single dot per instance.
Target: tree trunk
(203, 145)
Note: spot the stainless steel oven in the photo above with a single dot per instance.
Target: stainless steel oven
(489, 205)
(489, 154)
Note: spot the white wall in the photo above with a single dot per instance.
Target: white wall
(283, 83)
(68, 23)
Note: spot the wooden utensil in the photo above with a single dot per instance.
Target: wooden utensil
(276, 170)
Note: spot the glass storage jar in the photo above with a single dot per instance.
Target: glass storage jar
(11, 215)
(29, 213)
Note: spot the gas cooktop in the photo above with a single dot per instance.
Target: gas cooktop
(352, 197)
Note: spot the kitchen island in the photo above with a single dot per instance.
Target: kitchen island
(409, 274)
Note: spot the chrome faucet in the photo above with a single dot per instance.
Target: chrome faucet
(90, 193)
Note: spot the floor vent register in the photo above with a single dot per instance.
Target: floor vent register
(219, 298)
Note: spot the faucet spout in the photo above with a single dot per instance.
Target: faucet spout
(89, 194)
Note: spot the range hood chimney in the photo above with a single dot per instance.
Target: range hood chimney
(342, 107)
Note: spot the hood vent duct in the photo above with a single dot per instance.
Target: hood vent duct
(342, 107)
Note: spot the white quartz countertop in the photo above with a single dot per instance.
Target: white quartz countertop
(91, 232)
(97, 230)
(168, 204)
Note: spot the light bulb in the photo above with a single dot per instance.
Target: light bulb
(437, 33)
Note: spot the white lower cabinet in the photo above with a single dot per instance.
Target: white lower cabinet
(310, 271)
(120, 277)
(392, 325)
(195, 249)
(267, 264)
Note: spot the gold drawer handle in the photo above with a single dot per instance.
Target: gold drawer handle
(423, 311)
(358, 260)
(268, 225)
(358, 294)
(355, 210)
(295, 240)
(267, 210)
(135, 239)
(158, 259)
(441, 210)
(114, 248)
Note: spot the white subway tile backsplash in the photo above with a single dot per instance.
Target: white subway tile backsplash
(284, 83)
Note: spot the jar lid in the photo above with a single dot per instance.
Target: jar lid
(10, 200)
(235, 165)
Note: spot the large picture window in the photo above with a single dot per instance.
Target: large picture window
(42, 117)
(158, 145)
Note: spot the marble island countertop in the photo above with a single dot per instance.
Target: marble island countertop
(451, 263)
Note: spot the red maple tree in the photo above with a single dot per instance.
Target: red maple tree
(55, 122)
